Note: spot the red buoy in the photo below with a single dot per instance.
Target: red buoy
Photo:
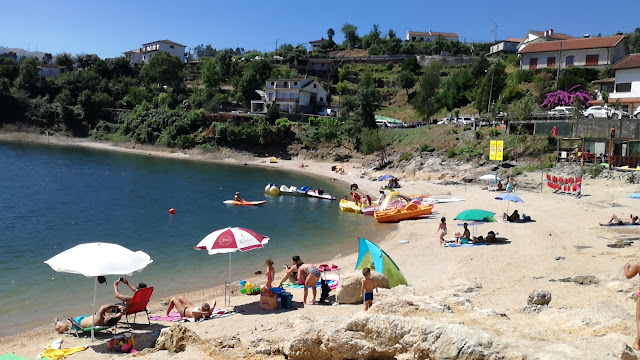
(172, 211)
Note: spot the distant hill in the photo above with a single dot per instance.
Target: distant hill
(22, 52)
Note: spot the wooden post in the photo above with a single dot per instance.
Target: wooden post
(582, 157)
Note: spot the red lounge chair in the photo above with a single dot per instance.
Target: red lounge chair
(138, 304)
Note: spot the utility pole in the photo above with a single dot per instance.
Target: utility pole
(490, 91)
(495, 32)
(277, 44)
(559, 65)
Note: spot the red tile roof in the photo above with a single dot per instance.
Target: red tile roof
(512, 39)
(629, 62)
(431, 33)
(573, 44)
(604, 81)
(164, 41)
(317, 41)
(557, 36)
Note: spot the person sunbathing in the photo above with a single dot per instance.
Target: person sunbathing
(107, 315)
(465, 236)
(514, 217)
(185, 308)
(126, 298)
(633, 220)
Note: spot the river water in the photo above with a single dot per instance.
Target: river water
(55, 197)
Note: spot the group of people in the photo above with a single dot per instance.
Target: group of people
(107, 315)
(393, 183)
(463, 237)
(359, 200)
(297, 273)
(511, 183)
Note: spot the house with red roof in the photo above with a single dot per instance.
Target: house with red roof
(627, 84)
(594, 52)
(534, 36)
(430, 36)
(315, 44)
(508, 45)
(146, 51)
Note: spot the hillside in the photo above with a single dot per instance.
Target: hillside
(22, 52)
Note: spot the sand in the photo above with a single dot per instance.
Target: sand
(564, 241)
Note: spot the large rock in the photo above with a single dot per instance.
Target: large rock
(350, 288)
(176, 338)
(538, 300)
(375, 336)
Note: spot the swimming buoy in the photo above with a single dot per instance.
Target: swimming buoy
(172, 211)
(274, 190)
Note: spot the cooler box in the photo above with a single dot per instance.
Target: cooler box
(286, 298)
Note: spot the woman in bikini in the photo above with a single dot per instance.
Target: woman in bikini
(309, 275)
(185, 308)
(443, 227)
(630, 272)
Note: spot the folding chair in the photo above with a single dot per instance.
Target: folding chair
(77, 329)
(138, 303)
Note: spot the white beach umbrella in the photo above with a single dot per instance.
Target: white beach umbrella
(99, 259)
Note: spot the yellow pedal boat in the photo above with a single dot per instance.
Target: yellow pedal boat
(410, 211)
(350, 206)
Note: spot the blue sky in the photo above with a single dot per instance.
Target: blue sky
(108, 28)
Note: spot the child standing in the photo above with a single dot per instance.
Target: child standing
(629, 272)
(368, 284)
(271, 272)
(443, 227)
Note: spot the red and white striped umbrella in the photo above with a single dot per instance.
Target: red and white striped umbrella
(230, 240)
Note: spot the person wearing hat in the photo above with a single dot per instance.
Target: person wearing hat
(237, 197)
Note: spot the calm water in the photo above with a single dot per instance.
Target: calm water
(53, 198)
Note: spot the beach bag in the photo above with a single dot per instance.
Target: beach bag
(268, 300)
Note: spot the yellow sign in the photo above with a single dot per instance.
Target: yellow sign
(499, 151)
(492, 150)
(496, 150)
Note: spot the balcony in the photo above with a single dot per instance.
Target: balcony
(283, 99)
(281, 86)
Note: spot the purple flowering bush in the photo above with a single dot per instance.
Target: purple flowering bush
(567, 97)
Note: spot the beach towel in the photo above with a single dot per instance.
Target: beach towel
(12, 357)
(176, 317)
(615, 224)
(332, 284)
(464, 245)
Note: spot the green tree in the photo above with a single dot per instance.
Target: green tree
(331, 34)
(246, 87)
(210, 72)
(458, 90)
(164, 69)
(406, 80)
(634, 41)
(522, 108)
(351, 39)
(65, 59)
(9, 69)
(341, 87)
(273, 113)
(372, 38)
(28, 74)
(491, 86)
(368, 100)
(425, 99)
(411, 64)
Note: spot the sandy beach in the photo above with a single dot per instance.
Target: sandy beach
(483, 290)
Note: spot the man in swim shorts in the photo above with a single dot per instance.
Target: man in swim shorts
(107, 315)
(368, 284)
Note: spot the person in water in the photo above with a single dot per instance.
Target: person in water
(237, 197)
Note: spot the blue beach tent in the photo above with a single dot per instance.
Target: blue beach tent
(370, 255)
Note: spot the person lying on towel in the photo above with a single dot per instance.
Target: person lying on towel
(633, 220)
(107, 315)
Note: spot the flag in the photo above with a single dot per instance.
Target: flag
(554, 132)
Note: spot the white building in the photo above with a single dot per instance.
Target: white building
(430, 36)
(534, 36)
(627, 85)
(315, 44)
(50, 70)
(509, 45)
(292, 96)
(146, 51)
(587, 52)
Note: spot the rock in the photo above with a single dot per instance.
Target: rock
(176, 338)
(376, 336)
(585, 279)
(538, 300)
(628, 353)
(349, 290)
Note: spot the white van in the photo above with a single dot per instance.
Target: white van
(383, 123)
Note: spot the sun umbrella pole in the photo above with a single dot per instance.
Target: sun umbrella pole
(228, 287)
(93, 306)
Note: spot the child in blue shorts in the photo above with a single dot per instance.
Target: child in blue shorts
(368, 284)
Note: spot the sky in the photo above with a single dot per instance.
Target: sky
(109, 28)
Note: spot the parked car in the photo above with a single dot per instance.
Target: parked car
(383, 124)
(445, 121)
(561, 110)
(597, 111)
(636, 113)
(465, 120)
(327, 112)
(617, 114)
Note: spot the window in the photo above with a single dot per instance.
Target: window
(272, 83)
(295, 83)
(592, 60)
(321, 99)
(623, 87)
(533, 63)
(314, 86)
(551, 61)
(569, 60)
(172, 47)
(413, 38)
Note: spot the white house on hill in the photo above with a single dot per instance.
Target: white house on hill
(534, 36)
(291, 95)
(627, 85)
(146, 51)
(595, 52)
(509, 45)
(430, 36)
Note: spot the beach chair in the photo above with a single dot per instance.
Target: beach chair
(78, 330)
(138, 303)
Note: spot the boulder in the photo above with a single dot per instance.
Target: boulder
(538, 300)
(585, 279)
(176, 338)
(349, 290)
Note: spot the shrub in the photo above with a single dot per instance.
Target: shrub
(427, 148)
(405, 156)
(494, 132)
(595, 170)
(371, 141)
(631, 179)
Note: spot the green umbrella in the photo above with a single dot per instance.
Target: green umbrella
(474, 215)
